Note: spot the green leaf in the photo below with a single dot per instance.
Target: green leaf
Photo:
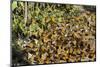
(14, 5)
(34, 27)
(22, 4)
